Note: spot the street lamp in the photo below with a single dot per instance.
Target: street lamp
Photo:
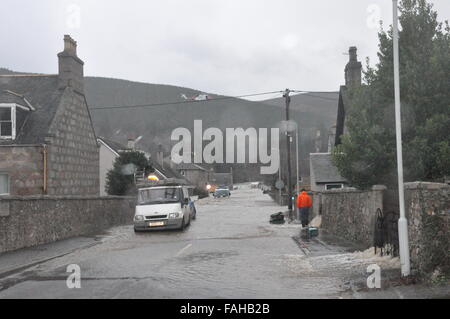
(288, 148)
(402, 222)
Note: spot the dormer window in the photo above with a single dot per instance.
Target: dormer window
(7, 121)
(11, 113)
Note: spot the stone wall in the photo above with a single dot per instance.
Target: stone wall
(427, 207)
(73, 156)
(34, 220)
(24, 166)
(350, 213)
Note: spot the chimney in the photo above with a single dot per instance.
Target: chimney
(70, 67)
(353, 69)
(160, 156)
(130, 144)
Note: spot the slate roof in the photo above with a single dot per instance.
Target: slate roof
(7, 96)
(167, 171)
(340, 120)
(324, 170)
(43, 94)
(190, 166)
(117, 147)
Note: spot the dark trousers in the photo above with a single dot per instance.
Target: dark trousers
(304, 216)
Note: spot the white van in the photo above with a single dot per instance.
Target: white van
(163, 207)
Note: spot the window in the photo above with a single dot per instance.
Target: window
(333, 186)
(7, 121)
(4, 184)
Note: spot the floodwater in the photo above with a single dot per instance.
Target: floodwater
(229, 251)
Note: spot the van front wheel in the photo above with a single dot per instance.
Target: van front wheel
(183, 225)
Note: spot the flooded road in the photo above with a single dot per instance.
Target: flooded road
(229, 251)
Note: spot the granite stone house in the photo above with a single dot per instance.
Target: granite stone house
(352, 80)
(323, 174)
(47, 141)
(194, 173)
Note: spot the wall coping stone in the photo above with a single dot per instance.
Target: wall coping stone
(426, 185)
(62, 197)
(353, 190)
(379, 187)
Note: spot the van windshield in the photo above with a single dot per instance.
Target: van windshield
(158, 196)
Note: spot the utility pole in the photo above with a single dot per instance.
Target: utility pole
(402, 222)
(288, 145)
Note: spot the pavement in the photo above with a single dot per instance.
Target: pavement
(229, 251)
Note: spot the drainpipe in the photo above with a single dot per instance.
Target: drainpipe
(45, 158)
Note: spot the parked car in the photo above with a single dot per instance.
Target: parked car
(223, 191)
(163, 207)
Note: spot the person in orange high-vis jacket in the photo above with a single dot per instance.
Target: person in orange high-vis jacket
(304, 202)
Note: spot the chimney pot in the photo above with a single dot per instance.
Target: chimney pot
(70, 45)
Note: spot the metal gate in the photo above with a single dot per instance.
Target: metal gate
(386, 232)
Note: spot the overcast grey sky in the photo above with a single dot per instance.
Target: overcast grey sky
(229, 47)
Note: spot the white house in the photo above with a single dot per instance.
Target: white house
(323, 174)
(108, 151)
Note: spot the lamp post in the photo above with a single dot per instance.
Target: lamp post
(288, 147)
(402, 222)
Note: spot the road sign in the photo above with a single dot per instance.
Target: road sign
(279, 184)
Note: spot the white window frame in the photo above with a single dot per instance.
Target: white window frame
(334, 184)
(13, 107)
(8, 184)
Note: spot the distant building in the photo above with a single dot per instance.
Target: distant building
(221, 179)
(352, 80)
(47, 141)
(324, 175)
(194, 173)
(162, 168)
(108, 153)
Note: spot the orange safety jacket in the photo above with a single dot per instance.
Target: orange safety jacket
(304, 200)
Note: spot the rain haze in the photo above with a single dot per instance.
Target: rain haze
(222, 47)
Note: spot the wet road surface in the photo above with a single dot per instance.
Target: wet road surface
(230, 251)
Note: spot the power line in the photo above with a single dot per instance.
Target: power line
(318, 92)
(308, 93)
(320, 97)
(180, 102)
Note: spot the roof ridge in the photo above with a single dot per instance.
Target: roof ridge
(27, 75)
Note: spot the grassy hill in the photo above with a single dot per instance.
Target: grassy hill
(156, 123)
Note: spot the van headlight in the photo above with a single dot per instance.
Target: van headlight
(174, 215)
(138, 217)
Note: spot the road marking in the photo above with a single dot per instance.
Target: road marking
(183, 249)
